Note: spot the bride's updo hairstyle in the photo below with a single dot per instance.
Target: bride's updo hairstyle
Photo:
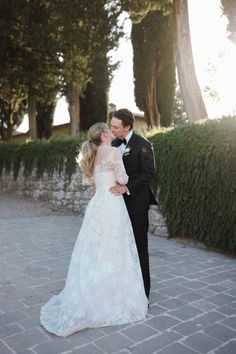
(87, 155)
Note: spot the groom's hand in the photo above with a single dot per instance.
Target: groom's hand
(118, 189)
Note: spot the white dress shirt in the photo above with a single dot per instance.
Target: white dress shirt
(122, 147)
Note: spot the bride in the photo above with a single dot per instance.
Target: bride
(104, 285)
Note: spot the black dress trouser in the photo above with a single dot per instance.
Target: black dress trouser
(140, 227)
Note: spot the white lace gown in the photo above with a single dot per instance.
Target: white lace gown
(104, 285)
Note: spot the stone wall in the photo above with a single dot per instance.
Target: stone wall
(65, 195)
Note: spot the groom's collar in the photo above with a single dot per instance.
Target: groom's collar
(128, 136)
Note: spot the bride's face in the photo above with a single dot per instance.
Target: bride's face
(111, 135)
(107, 136)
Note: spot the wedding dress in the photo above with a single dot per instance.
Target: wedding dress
(104, 285)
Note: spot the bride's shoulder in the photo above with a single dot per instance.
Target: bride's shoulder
(114, 150)
(109, 148)
(111, 151)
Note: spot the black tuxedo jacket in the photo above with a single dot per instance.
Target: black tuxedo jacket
(138, 160)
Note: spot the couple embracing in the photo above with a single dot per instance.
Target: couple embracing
(108, 281)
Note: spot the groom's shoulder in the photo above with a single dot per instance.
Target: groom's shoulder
(142, 140)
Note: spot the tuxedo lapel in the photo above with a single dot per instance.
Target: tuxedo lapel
(132, 140)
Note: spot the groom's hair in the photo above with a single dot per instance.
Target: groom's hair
(125, 116)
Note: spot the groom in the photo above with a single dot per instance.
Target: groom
(138, 159)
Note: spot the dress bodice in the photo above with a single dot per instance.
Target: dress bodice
(104, 180)
(108, 168)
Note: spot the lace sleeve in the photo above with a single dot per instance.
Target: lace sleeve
(119, 168)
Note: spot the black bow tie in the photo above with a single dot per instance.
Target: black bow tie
(122, 141)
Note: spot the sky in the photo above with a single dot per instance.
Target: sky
(214, 58)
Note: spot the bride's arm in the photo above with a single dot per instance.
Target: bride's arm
(119, 168)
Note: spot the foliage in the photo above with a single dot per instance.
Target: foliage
(229, 9)
(54, 155)
(40, 33)
(28, 56)
(87, 31)
(42, 80)
(44, 41)
(17, 116)
(153, 49)
(138, 9)
(195, 175)
(180, 116)
(83, 35)
(93, 102)
(12, 87)
(166, 82)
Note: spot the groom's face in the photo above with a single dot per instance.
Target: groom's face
(118, 129)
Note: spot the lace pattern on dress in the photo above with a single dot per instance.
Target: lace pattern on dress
(109, 159)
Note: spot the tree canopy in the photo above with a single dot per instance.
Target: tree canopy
(138, 9)
(49, 46)
(88, 30)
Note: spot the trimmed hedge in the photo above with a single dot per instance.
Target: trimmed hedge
(47, 156)
(196, 179)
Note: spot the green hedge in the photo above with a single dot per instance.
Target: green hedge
(46, 156)
(196, 177)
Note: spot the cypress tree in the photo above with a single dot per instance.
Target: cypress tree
(154, 73)
(93, 103)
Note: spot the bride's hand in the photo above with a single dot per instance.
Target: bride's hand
(118, 189)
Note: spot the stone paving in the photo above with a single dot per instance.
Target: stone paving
(192, 302)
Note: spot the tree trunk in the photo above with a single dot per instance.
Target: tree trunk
(9, 124)
(151, 112)
(151, 108)
(45, 114)
(2, 133)
(74, 108)
(32, 116)
(190, 90)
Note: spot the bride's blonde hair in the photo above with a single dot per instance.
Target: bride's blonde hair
(87, 155)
